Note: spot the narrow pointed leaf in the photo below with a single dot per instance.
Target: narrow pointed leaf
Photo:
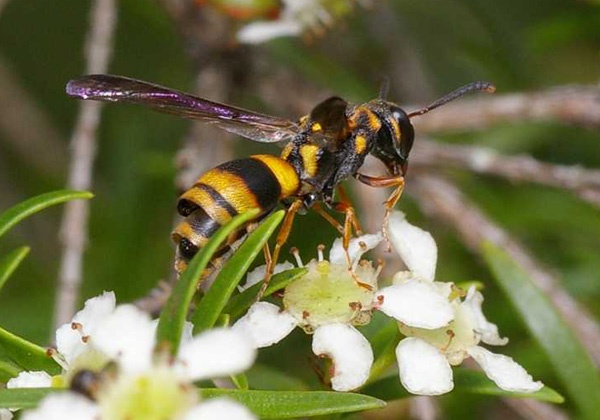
(571, 362)
(15, 214)
(213, 302)
(27, 355)
(173, 315)
(240, 303)
(465, 381)
(8, 370)
(9, 264)
(297, 404)
(24, 397)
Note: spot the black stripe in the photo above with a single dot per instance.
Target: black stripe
(259, 179)
(218, 198)
(202, 223)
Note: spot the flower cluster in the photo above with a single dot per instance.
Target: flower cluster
(442, 324)
(296, 17)
(142, 383)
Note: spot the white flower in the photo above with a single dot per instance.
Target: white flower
(296, 17)
(149, 385)
(326, 301)
(74, 348)
(441, 329)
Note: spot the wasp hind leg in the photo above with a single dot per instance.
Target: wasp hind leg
(390, 203)
(282, 237)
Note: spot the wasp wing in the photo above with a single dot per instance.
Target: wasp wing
(252, 125)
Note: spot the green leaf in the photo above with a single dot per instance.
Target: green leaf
(297, 404)
(240, 381)
(8, 370)
(173, 315)
(465, 381)
(215, 299)
(27, 355)
(15, 214)
(9, 264)
(571, 362)
(24, 397)
(240, 303)
(384, 346)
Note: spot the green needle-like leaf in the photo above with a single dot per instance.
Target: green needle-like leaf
(297, 404)
(24, 397)
(465, 381)
(213, 302)
(10, 263)
(15, 214)
(8, 370)
(571, 362)
(173, 315)
(238, 304)
(26, 354)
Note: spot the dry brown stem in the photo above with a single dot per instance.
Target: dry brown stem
(578, 105)
(73, 235)
(520, 168)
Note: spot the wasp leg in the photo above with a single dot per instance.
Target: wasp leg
(390, 203)
(281, 239)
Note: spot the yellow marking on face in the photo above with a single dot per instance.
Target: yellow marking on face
(316, 127)
(373, 120)
(232, 188)
(360, 143)
(284, 172)
(309, 158)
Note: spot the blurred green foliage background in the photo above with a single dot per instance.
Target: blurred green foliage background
(425, 47)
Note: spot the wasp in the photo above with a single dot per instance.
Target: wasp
(321, 150)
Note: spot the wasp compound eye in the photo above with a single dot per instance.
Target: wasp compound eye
(187, 249)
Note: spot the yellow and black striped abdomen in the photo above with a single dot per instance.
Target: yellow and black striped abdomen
(225, 191)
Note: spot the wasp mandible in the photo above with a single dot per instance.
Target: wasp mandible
(322, 149)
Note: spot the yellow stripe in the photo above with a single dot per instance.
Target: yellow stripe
(360, 144)
(184, 230)
(284, 172)
(232, 188)
(203, 199)
(309, 158)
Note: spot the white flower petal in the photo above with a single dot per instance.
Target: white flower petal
(216, 353)
(265, 324)
(416, 303)
(259, 32)
(219, 408)
(67, 405)
(487, 330)
(69, 342)
(258, 274)
(128, 337)
(415, 246)
(38, 379)
(355, 250)
(504, 371)
(5, 414)
(350, 352)
(423, 368)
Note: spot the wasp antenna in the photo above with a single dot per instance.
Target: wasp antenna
(384, 89)
(471, 87)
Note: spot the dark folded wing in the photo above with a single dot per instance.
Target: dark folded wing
(252, 125)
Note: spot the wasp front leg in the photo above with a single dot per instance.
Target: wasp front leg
(381, 182)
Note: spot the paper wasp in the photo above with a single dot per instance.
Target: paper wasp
(323, 149)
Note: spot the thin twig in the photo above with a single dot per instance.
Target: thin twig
(442, 199)
(423, 408)
(582, 181)
(578, 105)
(75, 218)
